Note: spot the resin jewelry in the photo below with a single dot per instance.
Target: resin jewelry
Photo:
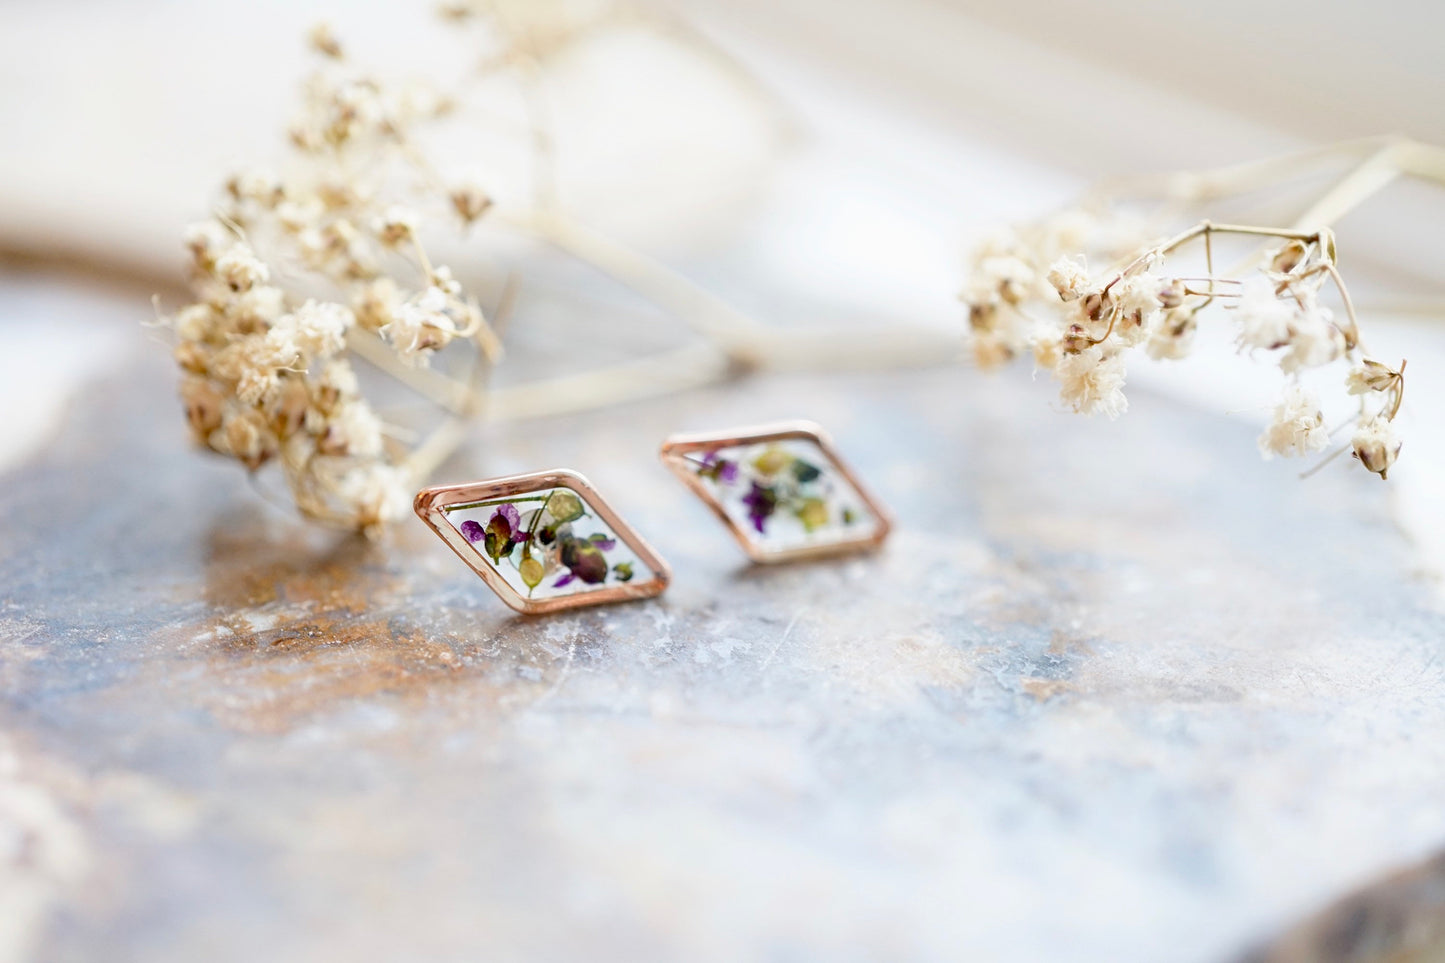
(544, 542)
(782, 490)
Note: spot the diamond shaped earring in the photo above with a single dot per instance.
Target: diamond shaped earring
(782, 490)
(544, 542)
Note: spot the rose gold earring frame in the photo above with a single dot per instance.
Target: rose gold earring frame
(432, 503)
(675, 449)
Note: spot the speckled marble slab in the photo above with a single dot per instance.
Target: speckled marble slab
(1111, 692)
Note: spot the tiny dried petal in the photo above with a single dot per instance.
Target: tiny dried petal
(323, 41)
(469, 201)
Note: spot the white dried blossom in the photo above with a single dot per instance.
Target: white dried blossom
(207, 241)
(1265, 319)
(288, 407)
(1136, 302)
(990, 350)
(257, 308)
(254, 364)
(1297, 428)
(376, 303)
(378, 493)
(313, 331)
(1172, 293)
(396, 225)
(335, 382)
(259, 186)
(1376, 445)
(1138, 294)
(204, 407)
(1092, 382)
(1173, 337)
(353, 430)
(247, 436)
(441, 278)
(421, 326)
(1010, 277)
(1370, 375)
(241, 269)
(295, 216)
(1079, 328)
(1314, 340)
(194, 322)
(1070, 277)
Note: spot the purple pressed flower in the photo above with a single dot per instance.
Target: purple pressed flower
(564, 580)
(603, 542)
(584, 559)
(509, 513)
(761, 502)
(720, 470)
(501, 534)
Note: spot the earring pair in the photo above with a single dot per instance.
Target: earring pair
(549, 541)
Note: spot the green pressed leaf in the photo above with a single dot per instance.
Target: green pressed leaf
(813, 513)
(564, 507)
(531, 571)
(772, 461)
(805, 472)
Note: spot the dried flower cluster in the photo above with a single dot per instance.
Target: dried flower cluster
(545, 543)
(1031, 292)
(292, 270)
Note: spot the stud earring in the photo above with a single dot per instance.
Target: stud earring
(782, 490)
(544, 542)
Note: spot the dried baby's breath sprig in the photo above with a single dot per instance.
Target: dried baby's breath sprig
(1275, 298)
(1030, 293)
(293, 272)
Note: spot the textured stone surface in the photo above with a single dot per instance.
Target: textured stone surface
(1112, 692)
